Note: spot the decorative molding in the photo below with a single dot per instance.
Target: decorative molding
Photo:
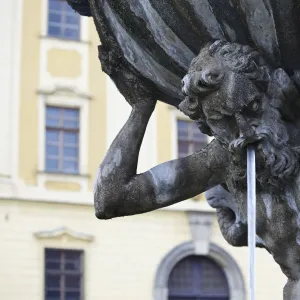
(228, 264)
(64, 231)
(64, 90)
(201, 227)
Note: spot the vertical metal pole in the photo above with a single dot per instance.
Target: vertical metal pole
(251, 203)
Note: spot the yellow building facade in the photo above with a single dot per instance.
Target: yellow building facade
(47, 217)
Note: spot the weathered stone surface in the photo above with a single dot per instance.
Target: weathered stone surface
(240, 64)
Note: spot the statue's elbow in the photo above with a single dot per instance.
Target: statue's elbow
(104, 207)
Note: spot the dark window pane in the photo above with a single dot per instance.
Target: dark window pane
(72, 296)
(70, 167)
(51, 150)
(51, 164)
(52, 136)
(52, 112)
(72, 265)
(190, 139)
(71, 113)
(55, 4)
(53, 254)
(52, 122)
(52, 295)
(52, 281)
(72, 34)
(54, 31)
(70, 152)
(73, 255)
(53, 265)
(183, 148)
(70, 138)
(70, 124)
(72, 19)
(54, 17)
(72, 281)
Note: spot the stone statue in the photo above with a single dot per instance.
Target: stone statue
(242, 88)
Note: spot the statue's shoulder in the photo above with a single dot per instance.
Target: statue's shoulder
(81, 6)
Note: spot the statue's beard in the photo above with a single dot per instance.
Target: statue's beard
(276, 160)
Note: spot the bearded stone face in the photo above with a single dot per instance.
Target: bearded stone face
(237, 112)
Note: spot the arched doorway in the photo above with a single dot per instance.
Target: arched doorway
(218, 263)
(197, 278)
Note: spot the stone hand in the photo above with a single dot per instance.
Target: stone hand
(135, 90)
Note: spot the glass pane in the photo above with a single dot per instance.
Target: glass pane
(72, 281)
(53, 254)
(54, 31)
(71, 114)
(73, 255)
(183, 126)
(71, 124)
(70, 138)
(72, 18)
(51, 150)
(72, 296)
(70, 152)
(71, 34)
(72, 265)
(54, 17)
(52, 281)
(53, 265)
(55, 4)
(51, 164)
(70, 167)
(52, 111)
(52, 136)
(52, 122)
(183, 149)
(52, 295)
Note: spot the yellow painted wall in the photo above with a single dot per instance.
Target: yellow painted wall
(122, 260)
(97, 108)
(62, 186)
(64, 63)
(120, 263)
(28, 128)
(164, 129)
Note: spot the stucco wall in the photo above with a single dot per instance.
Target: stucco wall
(120, 263)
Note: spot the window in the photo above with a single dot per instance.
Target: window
(63, 274)
(197, 278)
(63, 21)
(190, 138)
(62, 140)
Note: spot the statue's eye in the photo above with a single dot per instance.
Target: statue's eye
(254, 105)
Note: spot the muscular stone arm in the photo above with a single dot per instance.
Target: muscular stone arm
(119, 191)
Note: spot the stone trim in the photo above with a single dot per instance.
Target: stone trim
(230, 267)
(63, 231)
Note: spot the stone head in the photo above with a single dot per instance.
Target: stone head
(235, 96)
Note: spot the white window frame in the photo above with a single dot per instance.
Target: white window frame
(83, 27)
(67, 102)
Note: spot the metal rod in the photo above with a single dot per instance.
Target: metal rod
(251, 203)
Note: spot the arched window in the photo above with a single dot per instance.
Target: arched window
(197, 278)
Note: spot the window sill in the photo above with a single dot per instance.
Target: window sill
(63, 181)
(64, 40)
(63, 174)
